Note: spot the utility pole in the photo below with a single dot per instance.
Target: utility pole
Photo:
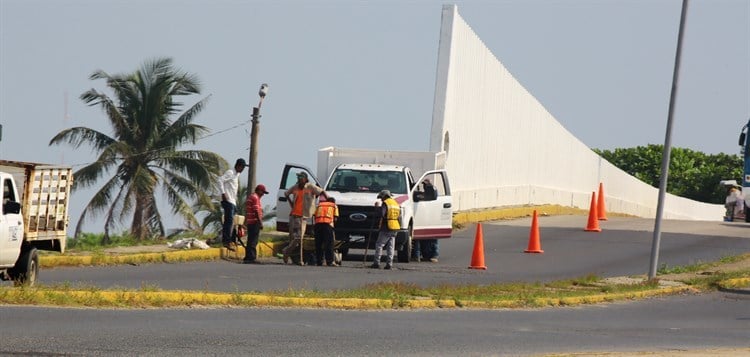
(667, 149)
(255, 128)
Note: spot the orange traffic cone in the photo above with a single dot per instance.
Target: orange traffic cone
(477, 258)
(534, 245)
(593, 225)
(600, 209)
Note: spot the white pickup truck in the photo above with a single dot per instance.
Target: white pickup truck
(34, 216)
(355, 187)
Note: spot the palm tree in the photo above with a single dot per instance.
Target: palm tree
(142, 151)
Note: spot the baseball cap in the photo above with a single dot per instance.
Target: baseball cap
(384, 194)
(240, 162)
(302, 174)
(261, 188)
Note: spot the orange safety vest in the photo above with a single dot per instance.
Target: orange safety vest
(325, 213)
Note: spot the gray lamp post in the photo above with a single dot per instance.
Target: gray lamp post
(667, 148)
(253, 160)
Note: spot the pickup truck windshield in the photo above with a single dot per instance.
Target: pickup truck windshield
(347, 180)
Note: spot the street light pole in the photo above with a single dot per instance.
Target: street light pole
(667, 149)
(253, 159)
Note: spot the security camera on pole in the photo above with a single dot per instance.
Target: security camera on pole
(253, 160)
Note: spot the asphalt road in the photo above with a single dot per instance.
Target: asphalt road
(682, 323)
(623, 248)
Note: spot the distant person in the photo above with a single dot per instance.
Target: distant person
(301, 198)
(426, 249)
(734, 203)
(390, 211)
(429, 190)
(228, 185)
(254, 222)
(325, 218)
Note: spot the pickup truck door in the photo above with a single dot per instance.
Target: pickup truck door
(289, 179)
(433, 214)
(11, 226)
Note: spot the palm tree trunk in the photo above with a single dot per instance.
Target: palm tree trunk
(137, 228)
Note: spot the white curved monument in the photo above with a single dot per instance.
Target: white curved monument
(503, 148)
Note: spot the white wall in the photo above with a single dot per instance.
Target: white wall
(504, 148)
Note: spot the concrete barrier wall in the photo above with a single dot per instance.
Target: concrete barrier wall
(504, 148)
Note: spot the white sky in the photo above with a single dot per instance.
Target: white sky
(362, 74)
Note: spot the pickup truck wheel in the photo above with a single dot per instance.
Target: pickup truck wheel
(404, 255)
(25, 271)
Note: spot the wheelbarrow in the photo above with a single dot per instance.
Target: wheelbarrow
(308, 251)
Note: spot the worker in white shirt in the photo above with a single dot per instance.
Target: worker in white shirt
(228, 185)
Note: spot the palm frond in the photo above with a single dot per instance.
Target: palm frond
(117, 119)
(79, 135)
(98, 203)
(200, 171)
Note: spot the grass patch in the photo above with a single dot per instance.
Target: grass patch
(700, 266)
(712, 281)
(585, 290)
(94, 242)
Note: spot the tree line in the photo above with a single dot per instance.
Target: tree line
(692, 174)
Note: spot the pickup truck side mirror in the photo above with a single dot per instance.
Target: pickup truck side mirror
(11, 207)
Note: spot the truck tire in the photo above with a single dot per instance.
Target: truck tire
(404, 254)
(25, 271)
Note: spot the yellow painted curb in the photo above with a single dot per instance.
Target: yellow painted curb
(500, 213)
(173, 256)
(137, 258)
(599, 298)
(107, 298)
(735, 283)
(130, 299)
(493, 214)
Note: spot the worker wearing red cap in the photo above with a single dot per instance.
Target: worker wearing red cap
(254, 222)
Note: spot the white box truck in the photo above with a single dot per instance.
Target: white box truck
(354, 177)
(34, 216)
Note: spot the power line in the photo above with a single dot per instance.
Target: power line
(157, 150)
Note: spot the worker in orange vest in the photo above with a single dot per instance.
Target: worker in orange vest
(326, 216)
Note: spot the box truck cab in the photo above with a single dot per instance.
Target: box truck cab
(11, 232)
(426, 206)
(33, 216)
